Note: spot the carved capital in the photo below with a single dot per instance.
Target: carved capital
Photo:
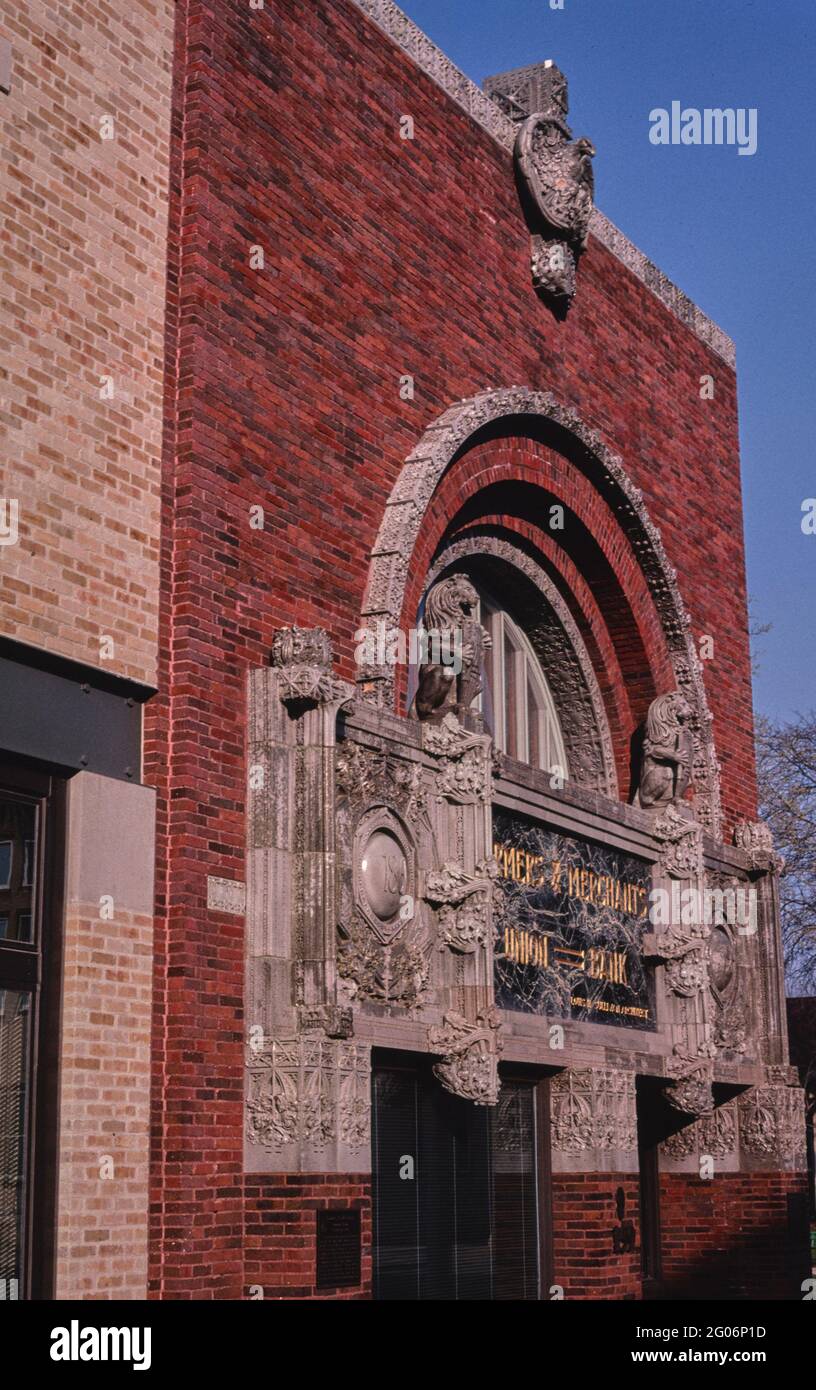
(681, 845)
(301, 646)
(463, 901)
(302, 658)
(685, 956)
(755, 839)
(465, 771)
(469, 1054)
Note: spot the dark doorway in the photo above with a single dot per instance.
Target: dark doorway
(31, 841)
(652, 1128)
(456, 1205)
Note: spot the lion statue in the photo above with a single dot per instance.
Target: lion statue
(665, 772)
(450, 679)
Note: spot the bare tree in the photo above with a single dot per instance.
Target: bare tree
(786, 765)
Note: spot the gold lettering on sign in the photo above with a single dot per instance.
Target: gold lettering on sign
(526, 948)
(601, 890)
(607, 965)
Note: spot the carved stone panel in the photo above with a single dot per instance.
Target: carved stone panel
(465, 765)
(772, 1124)
(309, 1105)
(383, 933)
(594, 1112)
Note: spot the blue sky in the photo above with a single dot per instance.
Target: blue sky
(735, 232)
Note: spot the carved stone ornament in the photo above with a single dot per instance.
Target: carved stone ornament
(691, 1091)
(772, 1122)
(685, 956)
(681, 845)
(554, 176)
(469, 1053)
(309, 1092)
(594, 1108)
(394, 974)
(714, 1134)
(365, 775)
(465, 771)
(682, 1144)
(303, 658)
(463, 903)
(299, 646)
(718, 1131)
(331, 1019)
(453, 634)
(755, 839)
(384, 947)
(490, 112)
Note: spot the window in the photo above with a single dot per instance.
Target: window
(517, 705)
(468, 1223)
(6, 862)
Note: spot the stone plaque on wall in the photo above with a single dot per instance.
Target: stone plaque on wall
(569, 921)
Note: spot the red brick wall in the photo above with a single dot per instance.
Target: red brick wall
(586, 1228)
(281, 1222)
(730, 1237)
(382, 257)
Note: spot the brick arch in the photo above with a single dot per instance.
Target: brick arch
(512, 483)
(519, 412)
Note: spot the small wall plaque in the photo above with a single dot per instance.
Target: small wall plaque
(226, 895)
(338, 1249)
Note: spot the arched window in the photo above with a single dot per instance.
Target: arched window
(520, 711)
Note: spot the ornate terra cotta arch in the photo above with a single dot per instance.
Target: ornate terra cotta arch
(411, 496)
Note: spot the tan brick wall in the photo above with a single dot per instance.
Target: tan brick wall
(104, 1106)
(82, 286)
(104, 1111)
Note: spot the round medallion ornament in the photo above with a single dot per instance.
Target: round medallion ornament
(720, 959)
(383, 871)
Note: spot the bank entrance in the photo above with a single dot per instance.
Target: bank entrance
(458, 1210)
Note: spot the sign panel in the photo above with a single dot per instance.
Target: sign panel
(338, 1248)
(570, 916)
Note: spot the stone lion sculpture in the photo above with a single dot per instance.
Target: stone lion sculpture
(665, 772)
(451, 678)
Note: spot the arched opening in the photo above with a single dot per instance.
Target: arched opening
(522, 453)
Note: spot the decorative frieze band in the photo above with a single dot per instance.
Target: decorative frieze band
(766, 1123)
